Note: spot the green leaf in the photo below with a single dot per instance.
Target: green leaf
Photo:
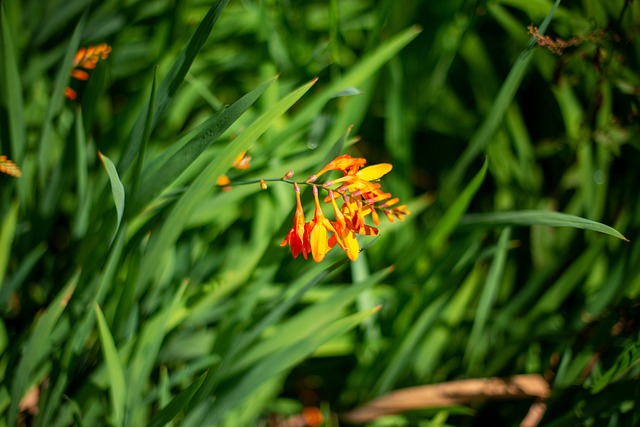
(403, 354)
(628, 358)
(476, 349)
(11, 90)
(162, 175)
(38, 347)
(25, 267)
(169, 412)
(172, 82)
(117, 384)
(45, 159)
(205, 183)
(7, 232)
(449, 221)
(358, 74)
(309, 321)
(280, 361)
(539, 217)
(137, 172)
(81, 219)
(117, 190)
(497, 112)
(148, 344)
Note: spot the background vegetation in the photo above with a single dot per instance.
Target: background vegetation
(135, 292)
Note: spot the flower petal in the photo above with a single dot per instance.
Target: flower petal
(374, 172)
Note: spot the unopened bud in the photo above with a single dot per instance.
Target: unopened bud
(312, 178)
(263, 184)
(288, 175)
(327, 184)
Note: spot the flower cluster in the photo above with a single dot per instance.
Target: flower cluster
(10, 168)
(360, 194)
(87, 58)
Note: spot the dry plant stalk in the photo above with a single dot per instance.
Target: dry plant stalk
(450, 393)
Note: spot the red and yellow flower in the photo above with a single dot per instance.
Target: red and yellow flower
(361, 196)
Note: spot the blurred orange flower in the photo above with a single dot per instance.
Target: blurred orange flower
(10, 168)
(87, 58)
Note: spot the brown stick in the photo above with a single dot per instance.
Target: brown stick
(451, 393)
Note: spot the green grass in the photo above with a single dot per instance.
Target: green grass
(134, 291)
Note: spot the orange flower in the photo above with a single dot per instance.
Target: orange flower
(87, 58)
(361, 196)
(10, 168)
(319, 228)
(241, 162)
(298, 238)
(345, 163)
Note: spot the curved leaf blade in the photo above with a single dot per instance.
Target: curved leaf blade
(117, 189)
(539, 217)
(117, 387)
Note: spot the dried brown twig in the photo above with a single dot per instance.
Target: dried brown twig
(450, 393)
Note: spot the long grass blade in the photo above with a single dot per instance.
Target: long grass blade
(172, 82)
(173, 408)
(204, 183)
(117, 384)
(538, 217)
(451, 218)
(12, 90)
(38, 346)
(497, 113)
(162, 176)
(475, 348)
(280, 361)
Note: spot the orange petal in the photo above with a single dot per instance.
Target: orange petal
(79, 74)
(70, 93)
(223, 180)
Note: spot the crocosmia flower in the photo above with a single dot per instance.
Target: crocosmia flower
(298, 236)
(86, 58)
(361, 197)
(9, 168)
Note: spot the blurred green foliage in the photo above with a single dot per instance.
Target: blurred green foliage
(134, 292)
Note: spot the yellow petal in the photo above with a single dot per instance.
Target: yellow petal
(319, 243)
(351, 245)
(374, 172)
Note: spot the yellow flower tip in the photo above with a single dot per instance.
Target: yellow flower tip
(377, 308)
(263, 184)
(288, 175)
(391, 268)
